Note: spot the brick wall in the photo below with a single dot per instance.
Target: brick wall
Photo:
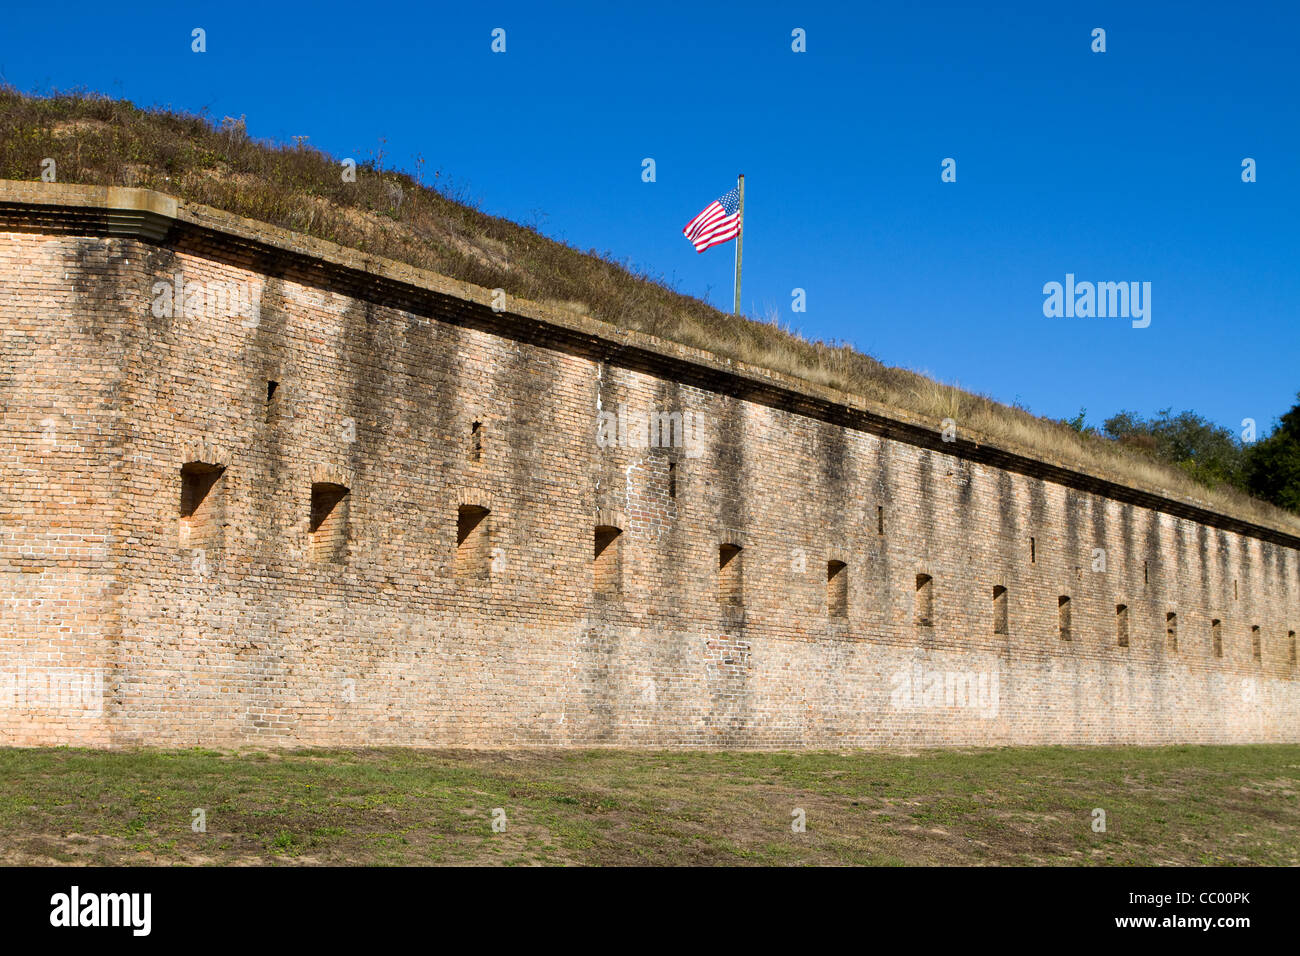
(306, 583)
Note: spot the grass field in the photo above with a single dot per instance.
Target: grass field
(1178, 805)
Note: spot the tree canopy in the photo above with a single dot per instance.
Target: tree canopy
(1269, 469)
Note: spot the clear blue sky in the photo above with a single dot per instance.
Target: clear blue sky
(1120, 166)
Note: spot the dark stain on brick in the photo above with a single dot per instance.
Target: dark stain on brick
(1158, 580)
(833, 495)
(925, 500)
(1008, 517)
(1203, 558)
(730, 463)
(274, 478)
(1074, 557)
(95, 268)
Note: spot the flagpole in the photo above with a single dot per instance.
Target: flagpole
(740, 238)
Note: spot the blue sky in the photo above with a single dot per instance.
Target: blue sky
(1115, 166)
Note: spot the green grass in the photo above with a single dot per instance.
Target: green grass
(429, 222)
(1163, 806)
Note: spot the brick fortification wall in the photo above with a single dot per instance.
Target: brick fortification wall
(438, 527)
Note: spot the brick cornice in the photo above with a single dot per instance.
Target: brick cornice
(160, 219)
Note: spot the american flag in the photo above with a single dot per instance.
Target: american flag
(720, 222)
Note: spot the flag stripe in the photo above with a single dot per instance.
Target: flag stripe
(713, 231)
(718, 238)
(718, 225)
(715, 241)
(706, 224)
(703, 219)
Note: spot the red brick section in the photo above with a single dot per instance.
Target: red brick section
(188, 556)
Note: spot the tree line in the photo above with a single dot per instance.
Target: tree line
(1268, 469)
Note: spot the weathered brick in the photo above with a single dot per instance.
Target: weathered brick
(251, 617)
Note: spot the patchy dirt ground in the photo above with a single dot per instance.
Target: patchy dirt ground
(1162, 806)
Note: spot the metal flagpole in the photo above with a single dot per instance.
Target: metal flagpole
(740, 238)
